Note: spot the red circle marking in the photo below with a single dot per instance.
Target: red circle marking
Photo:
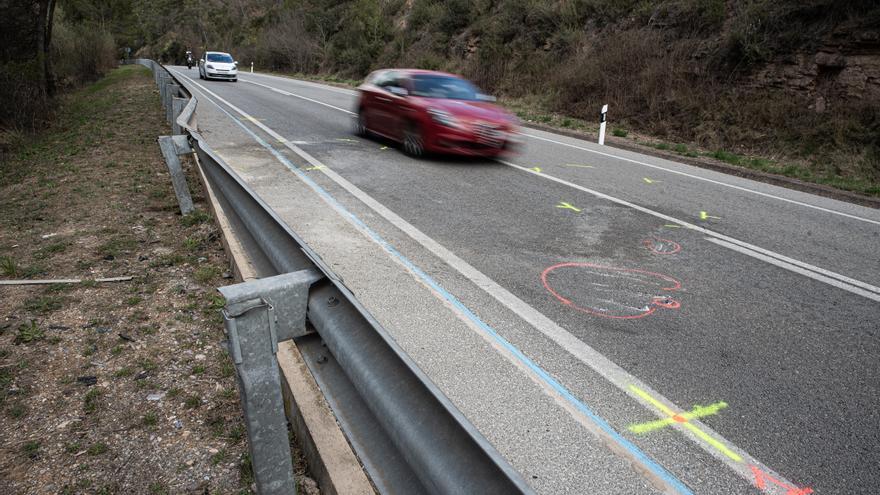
(657, 302)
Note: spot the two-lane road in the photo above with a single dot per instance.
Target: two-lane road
(758, 303)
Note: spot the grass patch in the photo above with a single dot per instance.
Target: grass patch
(91, 401)
(150, 420)
(204, 274)
(618, 132)
(8, 267)
(133, 300)
(31, 449)
(44, 304)
(195, 218)
(192, 402)
(97, 448)
(29, 332)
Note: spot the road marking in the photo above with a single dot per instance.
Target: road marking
(650, 181)
(383, 148)
(317, 167)
(702, 435)
(287, 93)
(582, 351)
(536, 169)
(594, 422)
(696, 412)
(567, 206)
(828, 274)
(637, 162)
(706, 216)
(307, 83)
(697, 177)
(797, 269)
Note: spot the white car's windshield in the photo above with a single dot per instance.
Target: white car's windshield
(219, 57)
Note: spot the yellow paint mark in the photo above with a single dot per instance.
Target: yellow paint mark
(536, 169)
(650, 181)
(579, 166)
(698, 411)
(251, 119)
(384, 148)
(567, 206)
(706, 216)
(671, 226)
(654, 402)
(713, 442)
(316, 167)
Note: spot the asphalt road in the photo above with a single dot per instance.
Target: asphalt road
(712, 290)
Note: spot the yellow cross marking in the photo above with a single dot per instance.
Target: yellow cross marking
(683, 418)
(567, 206)
(384, 148)
(536, 169)
(316, 167)
(705, 216)
(650, 181)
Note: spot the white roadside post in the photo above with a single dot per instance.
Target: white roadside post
(602, 124)
(252, 67)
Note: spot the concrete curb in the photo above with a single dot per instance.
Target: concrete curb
(726, 168)
(330, 458)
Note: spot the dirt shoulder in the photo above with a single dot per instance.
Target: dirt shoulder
(119, 387)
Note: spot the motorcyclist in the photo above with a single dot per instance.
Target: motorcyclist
(189, 59)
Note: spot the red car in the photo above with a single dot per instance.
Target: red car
(434, 112)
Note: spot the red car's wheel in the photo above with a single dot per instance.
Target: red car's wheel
(413, 143)
(360, 124)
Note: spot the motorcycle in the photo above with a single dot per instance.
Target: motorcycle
(189, 63)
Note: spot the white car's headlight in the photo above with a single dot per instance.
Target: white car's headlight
(209, 66)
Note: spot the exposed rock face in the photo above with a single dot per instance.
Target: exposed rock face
(842, 69)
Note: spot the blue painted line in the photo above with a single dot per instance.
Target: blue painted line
(648, 462)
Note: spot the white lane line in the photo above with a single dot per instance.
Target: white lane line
(796, 269)
(637, 162)
(286, 93)
(705, 179)
(771, 254)
(306, 83)
(609, 370)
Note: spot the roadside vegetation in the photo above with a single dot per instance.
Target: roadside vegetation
(122, 387)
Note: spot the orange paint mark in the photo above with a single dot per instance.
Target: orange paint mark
(679, 418)
(761, 479)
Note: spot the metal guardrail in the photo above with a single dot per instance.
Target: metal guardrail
(437, 450)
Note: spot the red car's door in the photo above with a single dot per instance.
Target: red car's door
(385, 106)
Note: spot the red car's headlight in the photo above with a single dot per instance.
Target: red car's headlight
(443, 117)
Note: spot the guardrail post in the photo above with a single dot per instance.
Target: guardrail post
(171, 91)
(171, 149)
(177, 104)
(258, 315)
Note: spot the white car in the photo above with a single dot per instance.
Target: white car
(218, 65)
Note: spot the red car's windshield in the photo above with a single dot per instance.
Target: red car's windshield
(431, 86)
